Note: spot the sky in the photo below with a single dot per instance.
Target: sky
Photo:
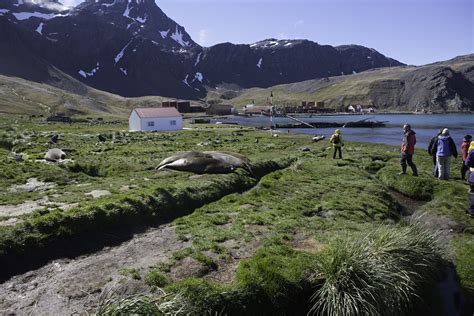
(414, 32)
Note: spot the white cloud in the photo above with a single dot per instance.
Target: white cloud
(203, 37)
(298, 23)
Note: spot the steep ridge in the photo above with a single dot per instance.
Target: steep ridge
(438, 87)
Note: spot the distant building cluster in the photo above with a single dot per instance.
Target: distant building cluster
(59, 117)
(359, 108)
(183, 106)
(305, 107)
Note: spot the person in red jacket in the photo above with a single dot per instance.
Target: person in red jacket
(408, 149)
(464, 151)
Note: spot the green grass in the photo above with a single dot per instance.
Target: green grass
(380, 272)
(463, 246)
(284, 219)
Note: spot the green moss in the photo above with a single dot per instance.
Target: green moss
(156, 278)
(463, 246)
(131, 272)
(420, 188)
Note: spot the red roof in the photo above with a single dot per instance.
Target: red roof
(156, 112)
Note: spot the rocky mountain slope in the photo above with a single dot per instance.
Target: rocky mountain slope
(19, 96)
(131, 48)
(442, 86)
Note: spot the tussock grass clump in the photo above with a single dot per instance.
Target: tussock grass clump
(136, 305)
(113, 303)
(383, 272)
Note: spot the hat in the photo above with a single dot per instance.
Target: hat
(467, 137)
(445, 131)
(337, 131)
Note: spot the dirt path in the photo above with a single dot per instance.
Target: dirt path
(68, 286)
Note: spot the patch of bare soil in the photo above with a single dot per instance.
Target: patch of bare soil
(68, 286)
(187, 268)
(26, 207)
(32, 185)
(226, 268)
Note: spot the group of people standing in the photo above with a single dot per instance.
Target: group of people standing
(441, 148)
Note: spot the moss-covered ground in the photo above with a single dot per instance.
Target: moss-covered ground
(258, 238)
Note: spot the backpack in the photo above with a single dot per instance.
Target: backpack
(336, 139)
(471, 163)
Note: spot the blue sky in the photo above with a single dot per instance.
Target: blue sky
(411, 31)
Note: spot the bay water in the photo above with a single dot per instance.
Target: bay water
(425, 126)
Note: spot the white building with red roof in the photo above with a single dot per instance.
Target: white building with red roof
(155, 119)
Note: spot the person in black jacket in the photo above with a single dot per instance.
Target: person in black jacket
(432, 152)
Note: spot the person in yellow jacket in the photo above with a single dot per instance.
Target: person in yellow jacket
(337, 143)
(469, 162)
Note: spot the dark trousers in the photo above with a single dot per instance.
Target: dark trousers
(464, 170)
(407, 159)
(435, 167)
(471, 200)
(337, 149)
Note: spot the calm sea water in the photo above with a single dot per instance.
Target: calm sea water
(425, 126)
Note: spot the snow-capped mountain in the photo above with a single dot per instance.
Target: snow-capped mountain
(131, 48)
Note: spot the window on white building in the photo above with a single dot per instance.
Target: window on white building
(151, 123)
(173, 123)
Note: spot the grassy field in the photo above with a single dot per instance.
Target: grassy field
(303, 233)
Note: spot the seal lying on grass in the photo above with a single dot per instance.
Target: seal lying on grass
(206, 162)
(54, 155)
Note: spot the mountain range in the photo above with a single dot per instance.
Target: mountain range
(131, 48)
(108, 51)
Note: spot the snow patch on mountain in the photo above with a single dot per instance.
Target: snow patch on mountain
(178, 37)
(198, 76)
(19, 3)
(185, 80)
(109, 4)
(39, 29)
(164, 34)
(198, 59)
(259, 64)
(124, 71)
(20, 16)
(126, 13)
(3, 11)
(90, 73)
(120, 54)
(141, 20)
(354, 72)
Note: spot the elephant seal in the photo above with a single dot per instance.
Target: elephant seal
(54, 155)
(205, 162)
(234, 159)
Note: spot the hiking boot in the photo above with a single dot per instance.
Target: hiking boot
(401, 172)
(415, 174)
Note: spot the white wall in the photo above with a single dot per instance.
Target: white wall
(162, 124)
(134, 122)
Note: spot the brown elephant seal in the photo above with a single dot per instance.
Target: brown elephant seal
(205, 162)
(54, 155)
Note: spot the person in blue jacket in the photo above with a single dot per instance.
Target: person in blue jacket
(469, 162)
(445, 148)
